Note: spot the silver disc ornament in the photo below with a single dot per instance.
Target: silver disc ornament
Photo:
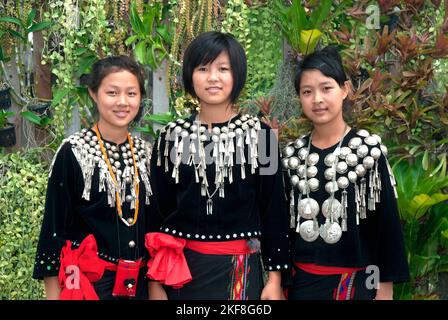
(307, 231)
(308, 208)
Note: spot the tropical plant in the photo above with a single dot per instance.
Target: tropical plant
(20, 32)
(4, 118)
(301, 28)
(151, 33)
(423, 206)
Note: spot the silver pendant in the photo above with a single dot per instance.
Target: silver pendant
(294, 180)
(331, 186)
(308, 208)
(288, 150)
(368, 162)
(332, 233)
(360, 170)
(342, 182)
(352, 176)
(301, 170)
(303, 153)
(332, 206)
(303, 187)
(307, 231)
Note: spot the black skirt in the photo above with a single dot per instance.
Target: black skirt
(220, 277)
(346, 286)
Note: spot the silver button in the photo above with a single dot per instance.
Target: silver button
(129, 198)
(130, 220)
(131, 244)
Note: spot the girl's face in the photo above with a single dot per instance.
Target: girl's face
(321, 97)
(213, 82)
(117, 99)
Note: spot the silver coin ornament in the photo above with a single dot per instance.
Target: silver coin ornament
(329, 173)
(362, 151)
(377, 137)
(303, 153)
(293, 163)
(352, 176)
(313, 183)
(308, 208)
(336, 208)
(285, 163)
(371, 141)
(294, 180)
(311, 172)
(303, 187)
(368, 162)
(313, 159)
(351, 159)
(331, 186)
(299, 143)
(288, 151)
(341, 167)
(345, 151)
(333, 233)
(307, 231)
(355, 143)
(375, 153)
(360, 170)
(301, 170)
(343, 182)
(330, 159)
(363, 133)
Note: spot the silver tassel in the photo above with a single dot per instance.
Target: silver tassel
(159, 156)
(292, 222)
(357, 201)
(363, 198)
(344, 210)
(209, 206)
(371, 199)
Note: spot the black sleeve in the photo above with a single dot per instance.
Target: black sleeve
(65, 178)
(163, 186)
(392, 262)
(273, 209)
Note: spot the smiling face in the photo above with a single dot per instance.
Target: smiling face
(321, 97)
(213, 82)
(118, 99)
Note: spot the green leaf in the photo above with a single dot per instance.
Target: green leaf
(136, 23)
(308, 40)
(425, 160)
(320, 14)
(30, 18)
(131, 39)
(148, 20)
(12, 20)
(140, 52)
(59, 95)
(85, 64)
(39, 26)
(31, 116)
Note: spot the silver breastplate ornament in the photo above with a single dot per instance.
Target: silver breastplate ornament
(353, 163)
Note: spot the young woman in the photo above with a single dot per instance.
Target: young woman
(347, 240)
(92, 238)
(219, 189)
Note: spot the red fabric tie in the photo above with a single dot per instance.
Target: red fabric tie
(167, 264)
(87, 268)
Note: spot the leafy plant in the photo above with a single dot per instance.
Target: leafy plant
(23, 178)
(423, 208)
(150, 34)
(4, 118)
(22, 28)
(41, 121)
(300, 29)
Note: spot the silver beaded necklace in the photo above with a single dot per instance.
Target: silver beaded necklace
(332, 209)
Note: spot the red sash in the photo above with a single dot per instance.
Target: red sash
(86, 268)
(168, 264)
